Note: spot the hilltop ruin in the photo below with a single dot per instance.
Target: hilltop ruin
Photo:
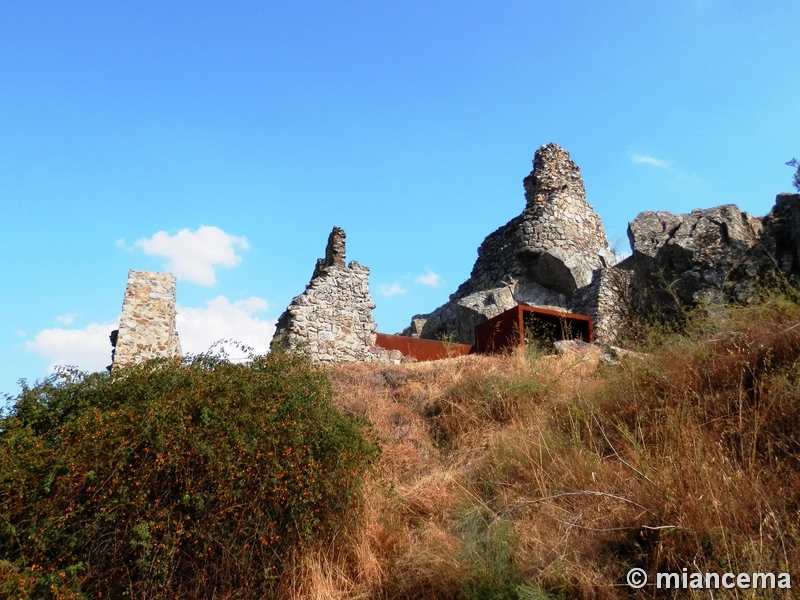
(553, 257)
(548, 256)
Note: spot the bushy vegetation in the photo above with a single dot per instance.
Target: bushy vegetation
(202, 479)
(796, 179)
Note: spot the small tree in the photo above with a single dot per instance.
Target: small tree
(796, 179)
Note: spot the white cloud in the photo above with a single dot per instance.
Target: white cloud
(89, 348)
(430, 278)
(66, 319)
(642, 159)
(391, 290)
(192, 255)
(200, 328)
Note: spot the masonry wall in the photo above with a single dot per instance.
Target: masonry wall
(543, 257)
(332, 319)
(607, 301)
(557, 241)
(147, 322)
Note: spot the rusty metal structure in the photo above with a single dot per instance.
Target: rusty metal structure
(508, 330)
(420, 349)
(512, 328)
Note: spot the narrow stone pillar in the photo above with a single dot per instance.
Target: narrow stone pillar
(147, 322)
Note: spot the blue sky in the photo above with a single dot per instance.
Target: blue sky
(223, 140)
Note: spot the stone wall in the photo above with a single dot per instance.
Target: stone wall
(540, 258)
(332, 319)
(147, 322)
(607, 300)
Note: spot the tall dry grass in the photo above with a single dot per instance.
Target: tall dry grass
(537, 477)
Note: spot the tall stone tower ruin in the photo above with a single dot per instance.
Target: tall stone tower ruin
(147, 322)
(542, 257)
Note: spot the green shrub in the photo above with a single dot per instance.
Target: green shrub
(195, 480)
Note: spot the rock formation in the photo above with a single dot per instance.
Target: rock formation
(691, 257)
(712, 255)
(147, 322)
(781, 239)
(542, 257)
(332, 319)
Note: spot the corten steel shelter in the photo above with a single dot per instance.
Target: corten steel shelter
(502, 333)
(513, 327)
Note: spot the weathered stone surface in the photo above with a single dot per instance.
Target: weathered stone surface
(334, 252)
(697, 257)
(781, 239)
(607, 300)
(147, 322)
(332, 319)
(540, 258)
(578, 348)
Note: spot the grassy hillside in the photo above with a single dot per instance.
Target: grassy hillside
(515, 477)
(535, 476)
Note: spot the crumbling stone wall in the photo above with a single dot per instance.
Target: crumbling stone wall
(540, 258)
(332, 319)
(147, 322)
(558, 240)
(607, 300)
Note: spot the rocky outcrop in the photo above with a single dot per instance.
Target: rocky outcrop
(540, 258)
(147, 322)
(332, 319)
(712, 255)
(693, 257)
(781, 239)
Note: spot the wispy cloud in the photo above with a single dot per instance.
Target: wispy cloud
(193, 255)
(392, 290)
(88, 348)
(643, 159)
(200, 328)
(430, 279)
(66, 319)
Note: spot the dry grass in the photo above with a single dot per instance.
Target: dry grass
(546, 477)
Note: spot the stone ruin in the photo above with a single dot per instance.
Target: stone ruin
(549, 256)
(332, 319)
(554, 255)
(147, 322)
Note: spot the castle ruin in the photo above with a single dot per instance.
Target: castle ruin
(332, 319)
(548, 256)
(553, 257)
(147, 322)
